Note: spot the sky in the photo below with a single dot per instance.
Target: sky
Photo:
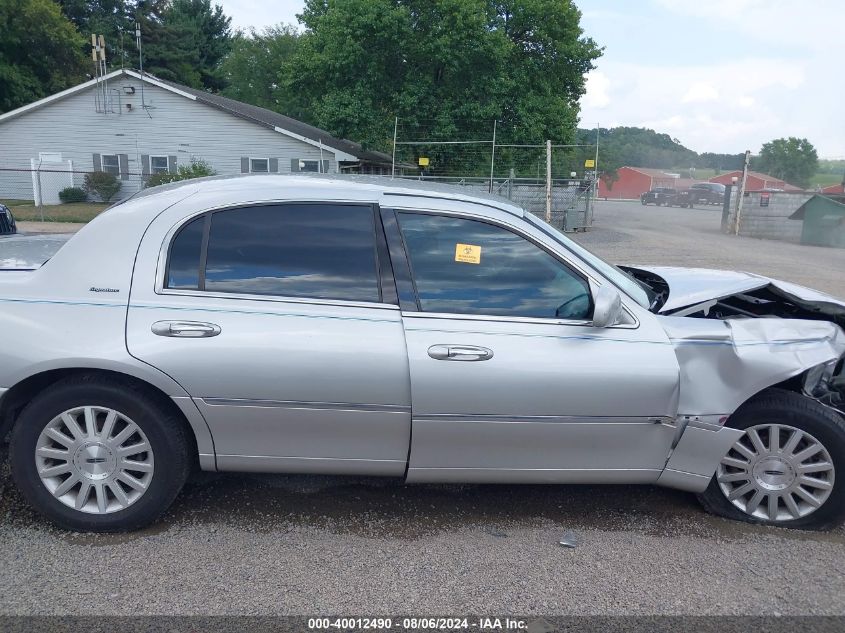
(718, 75)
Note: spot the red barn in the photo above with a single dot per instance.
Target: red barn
(755, 182)
(635, 181)
(840, 189)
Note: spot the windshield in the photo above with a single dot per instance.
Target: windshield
(638, 292)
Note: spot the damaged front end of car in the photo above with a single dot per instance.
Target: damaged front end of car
(777, 333)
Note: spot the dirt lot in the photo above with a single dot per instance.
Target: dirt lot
(317, 545)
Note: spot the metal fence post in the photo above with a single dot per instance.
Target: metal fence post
(549, 181)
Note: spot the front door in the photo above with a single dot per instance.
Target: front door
(281, 322)
(509, 379)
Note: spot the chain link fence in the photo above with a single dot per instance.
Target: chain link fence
(56, 191)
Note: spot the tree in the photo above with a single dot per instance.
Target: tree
(110, 18)
(184, 40)
(40, 52)
(447, 69)
(252, 69)
(206, 32)
(791, 159)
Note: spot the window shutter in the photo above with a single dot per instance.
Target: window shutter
(244, 164)
(171, 164)
(325, 167)
(123, 161)
(294, 164)
(98, 164)
(274, 166)
(145, 164)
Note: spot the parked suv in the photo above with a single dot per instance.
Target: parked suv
(7, 221)
(708, 193)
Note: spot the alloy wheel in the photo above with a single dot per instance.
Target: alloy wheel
(94, 460)
(776, 472)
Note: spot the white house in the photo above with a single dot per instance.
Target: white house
(133, 125)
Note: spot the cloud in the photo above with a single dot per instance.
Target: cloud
(597, 95)
(700, 91)
(725, 107)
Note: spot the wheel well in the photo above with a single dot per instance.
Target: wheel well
(16, 398)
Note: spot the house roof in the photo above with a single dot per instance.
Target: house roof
(759, 175)
(840, 188)
(828, 204)
(653, 173)
(344, 150)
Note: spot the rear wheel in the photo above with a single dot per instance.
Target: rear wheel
(783, 471)
(99, 456)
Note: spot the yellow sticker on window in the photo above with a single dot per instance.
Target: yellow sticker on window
(468, 253)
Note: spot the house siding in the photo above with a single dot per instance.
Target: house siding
(172, 125)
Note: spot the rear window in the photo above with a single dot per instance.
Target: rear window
(321, 251)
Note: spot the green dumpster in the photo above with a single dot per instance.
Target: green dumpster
(824, 222)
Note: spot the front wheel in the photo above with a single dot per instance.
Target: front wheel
(783, 471)
(98, 455)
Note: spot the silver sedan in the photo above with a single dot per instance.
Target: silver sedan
(323, 325)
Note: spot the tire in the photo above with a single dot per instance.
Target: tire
(643, 202)
(777, 473)
(120, 495)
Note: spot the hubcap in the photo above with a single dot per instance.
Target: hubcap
(776, 472)
(94, 459)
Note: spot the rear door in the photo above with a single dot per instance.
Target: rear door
(510, 381)
(281, 322)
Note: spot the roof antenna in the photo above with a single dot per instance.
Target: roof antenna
(140, 63)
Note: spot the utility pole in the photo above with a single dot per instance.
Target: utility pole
(549, 182)
(741, 192)
(393, 162)
(493, 157)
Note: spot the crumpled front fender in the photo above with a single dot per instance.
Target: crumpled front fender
(724, 363)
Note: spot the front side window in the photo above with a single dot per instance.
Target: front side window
(322, 251)
(158, 165)
(259, 165)
(470, 267)
(111, 165)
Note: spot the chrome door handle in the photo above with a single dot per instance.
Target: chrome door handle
(185, 329)
(460, 352)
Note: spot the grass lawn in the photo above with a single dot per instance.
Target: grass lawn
(25, 210)
(825, 180)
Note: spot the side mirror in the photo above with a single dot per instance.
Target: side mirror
(607, 306)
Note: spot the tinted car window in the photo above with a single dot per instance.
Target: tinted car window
(184, 263)
(470, 267)
(322, 251)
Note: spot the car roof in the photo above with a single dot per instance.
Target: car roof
(380, 189)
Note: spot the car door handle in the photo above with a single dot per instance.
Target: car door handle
(185, 329)
(460, 352)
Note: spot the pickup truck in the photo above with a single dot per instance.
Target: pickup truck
(318, 324)
(668, 196)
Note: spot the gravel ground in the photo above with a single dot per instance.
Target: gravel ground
(256, 544)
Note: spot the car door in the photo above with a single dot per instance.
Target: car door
(280, 321)
(509, 379)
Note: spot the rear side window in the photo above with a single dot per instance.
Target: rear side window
(322, 251)
(470, 267)
(184, 264)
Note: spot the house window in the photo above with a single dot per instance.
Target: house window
(111, 165)
(259, 165)
(159, 165)
(309, 165)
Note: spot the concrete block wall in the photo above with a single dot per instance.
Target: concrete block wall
(770, 222)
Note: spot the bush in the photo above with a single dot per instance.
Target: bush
(102, 184)
(73, 194)
(197, 169)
